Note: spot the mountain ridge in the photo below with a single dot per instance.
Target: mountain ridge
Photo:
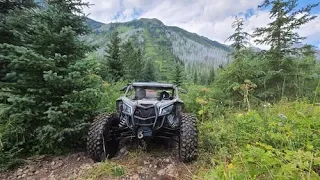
(162, 44)
(96, 24)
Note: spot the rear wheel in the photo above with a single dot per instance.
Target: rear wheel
(188, 140)
(101, 144)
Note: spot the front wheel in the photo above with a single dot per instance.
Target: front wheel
(188, 140)
(100, 142)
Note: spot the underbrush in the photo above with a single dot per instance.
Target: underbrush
(279, 142)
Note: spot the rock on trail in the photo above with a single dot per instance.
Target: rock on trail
(161, 164)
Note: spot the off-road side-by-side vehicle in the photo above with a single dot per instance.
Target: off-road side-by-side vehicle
(145, 111)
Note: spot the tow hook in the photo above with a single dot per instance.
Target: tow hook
(140, 134)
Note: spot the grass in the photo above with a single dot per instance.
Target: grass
(116, 168)
(279, 142)
(105, 169)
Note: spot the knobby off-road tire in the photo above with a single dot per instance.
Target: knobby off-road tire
(100, 144)
(188, 140)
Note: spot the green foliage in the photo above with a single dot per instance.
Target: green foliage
(149, 72)
(299, 81)
(50, 89)
(114, 62)
(280, 34)
(283, 72)
(133, 61)
(240, 38)
(212, 76)
(6, 6)
(178, 75)
(195, 77)
(206, 102)
(111, 92)
(163, 48)
(124, 61)
(278, 142)
(50, 92)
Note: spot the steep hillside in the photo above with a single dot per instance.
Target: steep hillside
(162, 43)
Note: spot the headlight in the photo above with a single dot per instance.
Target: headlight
(165, 110)
(127, 108)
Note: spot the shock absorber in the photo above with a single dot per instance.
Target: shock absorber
(172, 121)
(123, 121)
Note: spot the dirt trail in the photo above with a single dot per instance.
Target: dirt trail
(158, 164)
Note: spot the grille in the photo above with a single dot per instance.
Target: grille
(145, 122)
(145, 113)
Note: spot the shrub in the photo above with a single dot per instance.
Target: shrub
(50, 91)
(279, 142)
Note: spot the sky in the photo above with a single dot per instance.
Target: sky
(209, 18)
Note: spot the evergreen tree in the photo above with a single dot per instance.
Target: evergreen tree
(8, 5)
(221, 66)
(149, 72)
(178, 75)
(203, 78)
(137, 65)
(132, 59)
(128, 58)
(280, 34)
(212, 75)
(114, 63)
(50, 91)
(8, 27)
(240, 38)
(195, 77)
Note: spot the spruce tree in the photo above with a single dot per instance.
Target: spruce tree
(240, 38)
(149, 72)
(127, 55)
(132, 59)
(49, 90)
(280, 34)
(9, 11)
(114, 62)
(212, 75)
(137, 65)
(178, 75)
(195, 77)
(8, 5)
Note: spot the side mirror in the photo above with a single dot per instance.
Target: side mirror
(183, 91)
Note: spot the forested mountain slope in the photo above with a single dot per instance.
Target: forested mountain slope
(162, 43)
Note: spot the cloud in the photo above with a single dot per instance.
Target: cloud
(169, 11)
(103, 11)
(208, 18)
(311, 31)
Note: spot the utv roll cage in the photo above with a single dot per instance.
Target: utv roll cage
(154, 85)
